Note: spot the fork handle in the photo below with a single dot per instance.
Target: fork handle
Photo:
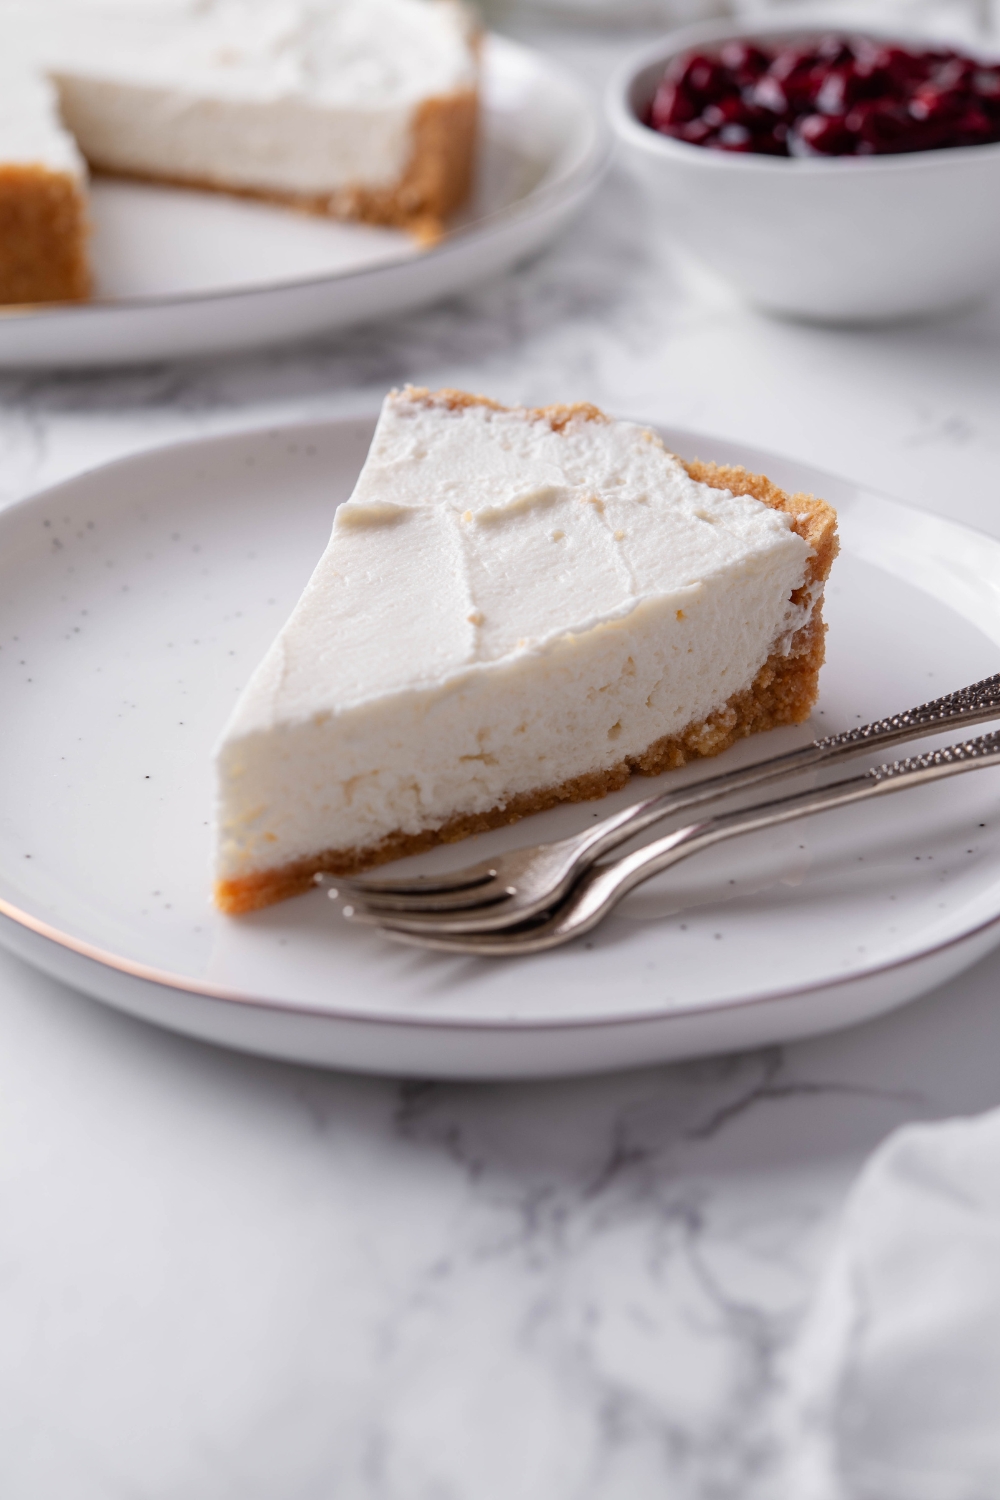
(975, 704)
(605, 885)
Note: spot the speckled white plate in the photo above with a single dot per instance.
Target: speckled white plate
(188, 273)
(134, 602)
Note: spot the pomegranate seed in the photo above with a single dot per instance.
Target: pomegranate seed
(745, 62)
(934, 104)
(696, 132)
(902, 69)
(706, 78)
(734, 138)
(836, 94)
(731, 111)
(801, 88)
(954, 74)
(788, 61)
(768, 94)
(672, 106)
(973, 126)
(830, 137)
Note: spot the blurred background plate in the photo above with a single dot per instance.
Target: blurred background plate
(186, 273)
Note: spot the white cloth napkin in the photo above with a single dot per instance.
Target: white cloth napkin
(894, 1387)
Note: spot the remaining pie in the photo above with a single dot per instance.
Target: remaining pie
(517, 608)
(361, 109)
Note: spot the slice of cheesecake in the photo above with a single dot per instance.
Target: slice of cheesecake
(516, 608)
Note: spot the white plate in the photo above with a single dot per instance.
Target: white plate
(182, 273)
(134, 602)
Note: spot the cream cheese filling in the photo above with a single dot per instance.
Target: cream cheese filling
(502, 607)
(31, 131)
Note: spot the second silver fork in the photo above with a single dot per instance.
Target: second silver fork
(514, 887)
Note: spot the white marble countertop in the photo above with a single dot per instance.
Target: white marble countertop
(222, 1277)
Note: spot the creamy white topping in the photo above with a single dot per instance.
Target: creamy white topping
(502, 606)
(301, 96)
(31, 132)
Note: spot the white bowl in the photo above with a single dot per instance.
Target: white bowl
(838, 239)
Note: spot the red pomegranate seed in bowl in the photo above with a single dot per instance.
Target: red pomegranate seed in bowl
(673, 105)
(828, 137)
(875, 97)
(744, 61)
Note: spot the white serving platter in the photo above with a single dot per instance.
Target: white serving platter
(182, 273)
(135, 601)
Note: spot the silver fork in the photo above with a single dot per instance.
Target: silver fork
(512, 888)
(601, 888)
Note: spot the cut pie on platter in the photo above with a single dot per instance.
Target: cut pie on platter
(360, 109)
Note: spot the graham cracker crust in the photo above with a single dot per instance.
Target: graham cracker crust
(437, 179)
(783, 692)
(43, 236)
